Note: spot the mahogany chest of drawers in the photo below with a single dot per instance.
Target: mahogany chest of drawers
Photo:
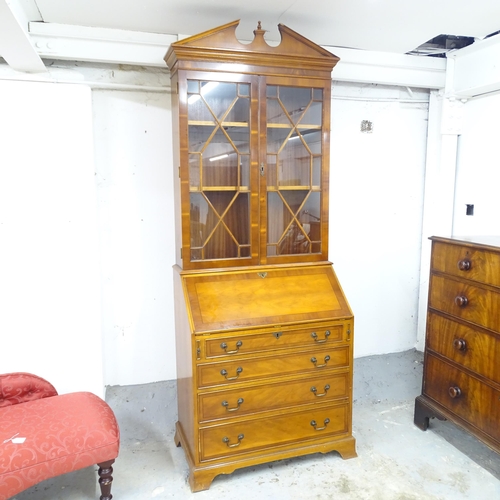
(264, 359)
(461, 380)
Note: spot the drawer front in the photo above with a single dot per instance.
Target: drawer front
(230, 372)
(253, 435)
(466, 262)
(466, 396)
(471, 303)
(471, 348)
(279, 339)
(243, 401)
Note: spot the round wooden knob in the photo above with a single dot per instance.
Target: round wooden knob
(464, 264)
(461, 301)
(454, 392)
(459, 344)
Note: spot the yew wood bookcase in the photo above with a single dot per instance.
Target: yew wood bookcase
(264, 333)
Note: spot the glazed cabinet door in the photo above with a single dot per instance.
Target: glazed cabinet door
(294, 160)
(219, 180)
(254, 169)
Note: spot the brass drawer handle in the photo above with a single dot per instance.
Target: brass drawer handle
(454, 392)
(460, 344)
(464, 265)
(314, 390)
(314, 424)
(315, 362)
(234, 445)
(461, 300)
(320, 341)
(238, 345)
(238, 371)
(236, 408)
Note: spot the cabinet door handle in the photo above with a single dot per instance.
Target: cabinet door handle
(238, 371)
(461, 300)
(460, 344)
(223, 346)
(315, 425)
(236, 408)
(464, 264)
(315, 391)
(314, 335)
(454, 392)
(234, 445)
(315, 362)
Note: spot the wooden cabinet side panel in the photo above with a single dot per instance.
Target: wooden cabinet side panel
(184, 359)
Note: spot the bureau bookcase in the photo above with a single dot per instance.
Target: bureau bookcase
(264, 333)
(461, 380)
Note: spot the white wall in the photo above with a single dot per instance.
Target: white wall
(376, 204)
(478, 169)
(134, 177)
(49, 277)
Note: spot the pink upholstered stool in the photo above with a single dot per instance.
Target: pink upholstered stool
(43, 435)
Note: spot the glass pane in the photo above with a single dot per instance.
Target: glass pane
(237, 219)
(237, 111)
(294, 164)
(272, 176)
(312, 139)
(198, 110)
(194, 170)
(245, 251)
(295, 100)
(199, 136)
(220, 245)
(276, 138)
(244, 89)
(239, 137)
(313, 114)
(198, 215)
(219, 97)
(272, 91)
(276, 113)
(316, 172)
(245, 171)
(318, 94)
(278, 217)
(193, 86)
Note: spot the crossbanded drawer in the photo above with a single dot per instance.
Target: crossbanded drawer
(468, 302)
(463, 395)
(473, 349)
(279, 339)
(466, 262)
(249, 369)
(249, 436)
(246, 400)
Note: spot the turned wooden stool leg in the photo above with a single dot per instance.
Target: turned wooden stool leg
(105, 479)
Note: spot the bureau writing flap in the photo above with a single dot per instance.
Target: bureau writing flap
(258, 297)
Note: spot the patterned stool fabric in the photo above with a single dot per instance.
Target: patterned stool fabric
(46, 437)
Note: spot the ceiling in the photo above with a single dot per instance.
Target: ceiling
(396, 26)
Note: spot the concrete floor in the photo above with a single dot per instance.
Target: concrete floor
(396, 460)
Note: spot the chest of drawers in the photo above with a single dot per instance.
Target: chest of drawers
(264, 360)
(461, 380)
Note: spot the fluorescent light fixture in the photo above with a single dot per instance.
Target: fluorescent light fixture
(204, 90)
(220, 157)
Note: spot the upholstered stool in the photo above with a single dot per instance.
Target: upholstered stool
(43, 438)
